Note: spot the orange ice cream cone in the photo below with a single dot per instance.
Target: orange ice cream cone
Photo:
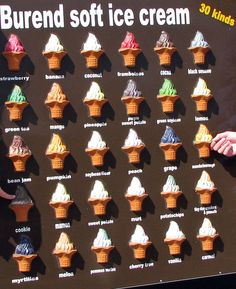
(92, 57)
(57, 159)
(19, 161)
(102, 253)
(201, 101)
(24, 261)
(56, 107)
(14, 59)
(132, 104)
(16, 109)
(99, 205)
(139, 250)
(203, 149)
(168, 102)
(171, 199)
(129, 55)
(174, 245)
(133, 153)
(64, 258)
(97, 155)
(61, 209)
(21, 211)
(54, 59)
(165, 54)
(205, 195)
(199, 54)
(207, 242)
(136, 202)
(95, 106)
(170, 150)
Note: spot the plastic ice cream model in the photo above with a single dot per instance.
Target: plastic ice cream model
(139, 242)
(24, 253)
(207, 235)
(19, 153)
(171, 192)
(205, 188)
(64, 250)
(16, 103)
(14, 52)
(170, 143)
(57, 152)
(133, 146)
(132, 97)
(99, 198)
(135, 195)
(56, 101)
(164, 49)
(96, 149)
(202, 141)
(60, 201)
(102, 246)
(5, 195)
(130, 50)
(174, 238)
(199, 47)
(54, 52)
(95, 100)
(167, 96)
(92, 50)
(21, 204)
(201, 95)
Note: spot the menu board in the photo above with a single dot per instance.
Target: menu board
(116, 137)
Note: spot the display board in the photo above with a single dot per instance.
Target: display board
(109, 21)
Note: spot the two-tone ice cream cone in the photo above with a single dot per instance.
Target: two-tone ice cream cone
(14, 59)
(168, 102)
(199, 54)
(139, 249)
(165, 54)
(203, 149)
(56, 107)
(54, 59)
(19, 161)
(21, 211)
(201, 101)
(174, 245)
(64, 258)
(205, 195)
(95, 106)
(136, 201)
(132, 104)
(99, 205)
(92, 57)
(129, 55)
(97, 155)
(133, 153)
(16, 109)
(57, 159)
(207, 242)
(171, 199)
(61, 208)
(102, 253)
(24, 261)
(170, 150)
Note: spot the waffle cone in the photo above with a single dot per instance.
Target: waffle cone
(171, 199)
(92, 57)
(14, 59)
(16, 109)
(61, 209)
(21, 211)
(64, 258)
(132, 104)
(57, 159)
(97, 156)
(167, 102)
(174, 245)
(136, 202)
(57, 108)
(54, 59)
(99, 205)
(133, 153)
(205, 195)
(165, 54)
(24, 261)
(201, 101)
(207, 242)
(169, 150)
(19, 161)
(129, 55)
(102, 253)
(139, 250)
(203, 149)
(199, 54)
(95, 106)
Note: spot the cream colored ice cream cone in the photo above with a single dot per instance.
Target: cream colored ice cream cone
(136, 202)
(16, 109)
(97, 155)
(61, 208)
(14, 59)
(170, 150)
(24, 261)
(92, 57)
(139, 250)
(19, 161)
(129, 55)
(168, 102)
(132, 104)
(165, 54)
(95, 106)
(171, 199)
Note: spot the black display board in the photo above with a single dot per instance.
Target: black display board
(76, 127)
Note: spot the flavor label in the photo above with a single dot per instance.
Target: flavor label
(170, 169)
(131, 172)
(93, 75)
(165, 72)
(16, 129)
(100, 223)
(199, 71)
(170, 216)
(202, 166)
(208, 257)
(23, 229)
(17, 181)
(14, 78)
(97, 174)
(136, 219)
(201, 118)
(104, 270)
(57, 127)
(141, 266)
(206, 210)
(175, 260)
(96, 124)
(168, 120)
(133, 121)
(129, 73)
(58, 178)
(55, 76)
(62, 226)
(24, 279)
(66, 275)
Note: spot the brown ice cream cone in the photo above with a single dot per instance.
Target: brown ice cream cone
(133, 153)
(16, 109)
(95, 106)
(24, 261)
(207, 242)
(57, 159)
(61, 209)
(56, 108)
(64, 258)
(139, 250)
(168, 102)
(165, 54)
(92, 57)
(14, 59)
(174, 245)
(199, 54)
(171, 199)
(129, 55)
(136, 202)
(97, 156)
(170, 150)
(19, 161)
(54, 59)
(203, 149)
(205, 195)
(201, 101)
(132, 104)
(99, 205)
(102, 253)
(21, 211)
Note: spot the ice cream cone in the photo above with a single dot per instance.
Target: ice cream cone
(97, 155)
(136, 202)
(171, 199)
(57, 159)
(54, 59)
(201, 101)
(132, 104)
(19, 161)
(95, 106)
(56, 108)
(165, 54)
(102, 253)
(205, 195)
(64, 258)
(199, 54)
(14, 59)
(168, 102)
(139, 250)
(203, 149)
(99, 205)
(24, 261)
(61, 209)
(133, 153)
(174, 245)
(16, 109)
(207, 242)
(129, 55)
(92, 57)
(169, 150)
(21, 211)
